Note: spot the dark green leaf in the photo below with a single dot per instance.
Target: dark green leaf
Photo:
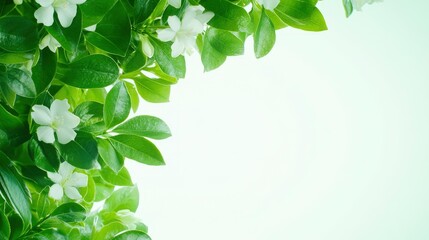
(81, 152)
(109, 155)
(4, 226)
(18, 34)
(95, 71)
(44, 71)
(45, 156)
(19, 81)
(91, 117)
(94, 10)
(68, 37)
(13, 131)
(137, 148)
(225, 42)
(143, 9)
(117, 106)
(145, 126)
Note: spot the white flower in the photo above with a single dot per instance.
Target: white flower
(91, 28)
(17, 2)
(175, 3)
(147, 47)
(269, 4)
(56, 119)
(183, 33)
(358, 4)
(50, 42)
(65, 9)
(66, 181)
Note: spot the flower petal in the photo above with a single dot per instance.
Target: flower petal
(174, 23)
(45, 134)
(66, 14)
(55, 177)
(72, 193)
(41, 115)
(70, 120)
(65, 135)
(175, 3)
(177, 48)
(45, 3)
(166, 35)
(76, 1)
(77, 180)
(147, 47)
(56, 192)
(66, 170)
(59, 107)
(204, 18)
(45, 15)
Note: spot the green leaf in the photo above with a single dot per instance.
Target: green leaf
(81, 152)
(117, 106)
(44, 203)
(94, 10)
(113, 32)
(13, 131)
(175, 67)
(132, 235)
(14, 191)
(18, 34)
(91, 117)
(49, 234)
(4, 226)
(134, 96)
(103, 189)
(110, 156)
(301, 14)
(68, 37)
(123, 198)
(70, 212)
(210, 57)
(264, 37)
(227, 16)
(151, 90)
(109, 231)
(45, 156)
(122, 178)
(94, 71)
(348, 7)
(19, 81)
(14, 58)
(44, 71)
(143, 9)
(225, 42)
(145, 126)
(137, 148)
(135, 61)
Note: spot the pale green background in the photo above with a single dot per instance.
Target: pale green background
(327, 138)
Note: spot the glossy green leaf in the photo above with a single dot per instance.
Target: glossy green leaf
(19, 81)
(145, 126)
(44, 71)
(109, 155)
(14, 58)
(94, 10)
(44, 203)
(225, 42)
(210, 57)
(301, 14)
(132, 235)
(264, 37)
(70, 212)
(152, 90)
(95, 71)
(13, 131)
(68, 37)
(123, 198)
(135, 61)
(143, 9)
(121, 178)
(109, 231)
(228, 16)
(102, 189)
(175, 67)
(137, 148)
(348, 7)
(81, 152)
(117, 106)
(134, 96)
(4, 226)
(91, 117)
(113, 32)
(14, 191)
(18, 34)
(44, 155)
(49, 234)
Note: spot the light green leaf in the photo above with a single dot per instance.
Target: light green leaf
(122, 178)
(211, 57)
(94, 71)
(145, 126)
(132, 235)
(152, 90)
(225, 42)
(18, 34)
(102, 189)
(301, 14)
(137, 148)
(123, 198)
(109, 231)
(70, 212)
(264, 37)
(109, 155)
(134, 96)
(91, 117)
(175, 67)
(117, 106)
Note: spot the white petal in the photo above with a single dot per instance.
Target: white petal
(55, 177)
(66, 170)
(177, 48)
(91, 28)
(166, 35)
(56, 192)
(147, 47)
(269, 4)
(66, 13)
(44, 42)
(77, 180)
(45, 15)
(70, 120)
(76, 1)
(41, 115)
(205, 17)
(45, 3)
(65, 135)
(17, 2)
(175, 3)
(59, 107)
(72, 193)
(45, 134)
(174, 23)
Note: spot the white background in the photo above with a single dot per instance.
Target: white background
(326, 138)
